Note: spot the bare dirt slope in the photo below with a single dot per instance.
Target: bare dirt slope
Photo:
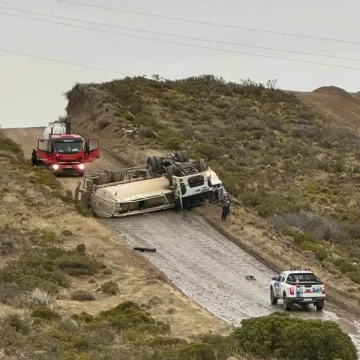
(197, 259)
(341, 106)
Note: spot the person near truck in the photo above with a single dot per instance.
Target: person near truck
(34, 157)
(225, 203)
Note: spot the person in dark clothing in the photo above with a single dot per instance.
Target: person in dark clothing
(225, 203)
(34, 157)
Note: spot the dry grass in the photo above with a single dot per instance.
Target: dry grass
(294, 170)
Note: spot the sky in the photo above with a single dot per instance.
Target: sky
(31, 88)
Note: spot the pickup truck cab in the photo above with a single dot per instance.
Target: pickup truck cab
(301, 287)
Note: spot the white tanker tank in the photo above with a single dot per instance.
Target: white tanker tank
(54, 128)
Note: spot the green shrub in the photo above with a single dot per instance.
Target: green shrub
(47, 268)
(44, 313)
(41, 175)
(18, 324)
(281, 336)
(110, 287)
(174, 143)
(82, 295)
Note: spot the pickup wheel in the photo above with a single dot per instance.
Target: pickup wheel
(286, 303)
(319, 306)
(273, 298)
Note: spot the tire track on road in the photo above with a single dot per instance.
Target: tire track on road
(210, 269)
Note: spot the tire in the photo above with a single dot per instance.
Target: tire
(143, 249)
(202, 165)
(151, 161)
(169, 173)
(286, 304)
(180, 156)
(273, 298)
(319, 306)
(158, 161)
(186, 156)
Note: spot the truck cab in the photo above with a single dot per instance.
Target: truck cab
(298, 286)
(67, 152)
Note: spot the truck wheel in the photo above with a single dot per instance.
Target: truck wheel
(151, 161)
(186, 157)
(319, 306)
(169, 173)
(202, 165)
(180, 156)
(158, 164)
(273, 298)
(286, 303)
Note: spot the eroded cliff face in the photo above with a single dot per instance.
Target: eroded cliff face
(89, 108)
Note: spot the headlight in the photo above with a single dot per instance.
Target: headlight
(81, 166)
(55, 167)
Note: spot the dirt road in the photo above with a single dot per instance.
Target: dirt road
(210, 269)
(201, 262)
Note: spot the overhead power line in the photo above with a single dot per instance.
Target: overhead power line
(63, 62)
(173, 35)
(186, 44)
(208, 23)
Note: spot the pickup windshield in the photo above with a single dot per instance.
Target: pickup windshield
(307, 277)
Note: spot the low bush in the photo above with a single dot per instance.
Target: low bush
(110, 287)
(82, 295)
(44, 313)
(282, 336)
(47, 269)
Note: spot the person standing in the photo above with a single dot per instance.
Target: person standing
(225, 203)
(34, 157)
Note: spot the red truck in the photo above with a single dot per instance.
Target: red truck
(64, 152)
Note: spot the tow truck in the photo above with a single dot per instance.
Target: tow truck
(298, 286)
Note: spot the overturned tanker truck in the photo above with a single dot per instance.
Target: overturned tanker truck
(170, 181)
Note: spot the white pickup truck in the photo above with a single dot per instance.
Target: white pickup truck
(301, 287)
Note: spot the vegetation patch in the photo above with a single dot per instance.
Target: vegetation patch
(48, 268)
(285, 337)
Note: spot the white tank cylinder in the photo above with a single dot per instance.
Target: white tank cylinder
(57, 129)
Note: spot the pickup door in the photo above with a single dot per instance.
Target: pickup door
(305, 285)
(279, 285)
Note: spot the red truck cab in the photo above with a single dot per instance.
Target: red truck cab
(67, 153)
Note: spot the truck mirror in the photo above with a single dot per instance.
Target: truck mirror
(275, 278)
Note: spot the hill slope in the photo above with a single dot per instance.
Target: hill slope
(336, 103)
(56, 264)
(294, 170)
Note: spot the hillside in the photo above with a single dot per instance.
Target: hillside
(293, 168)
(66, 281)
(339, 105)
(70, 290)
